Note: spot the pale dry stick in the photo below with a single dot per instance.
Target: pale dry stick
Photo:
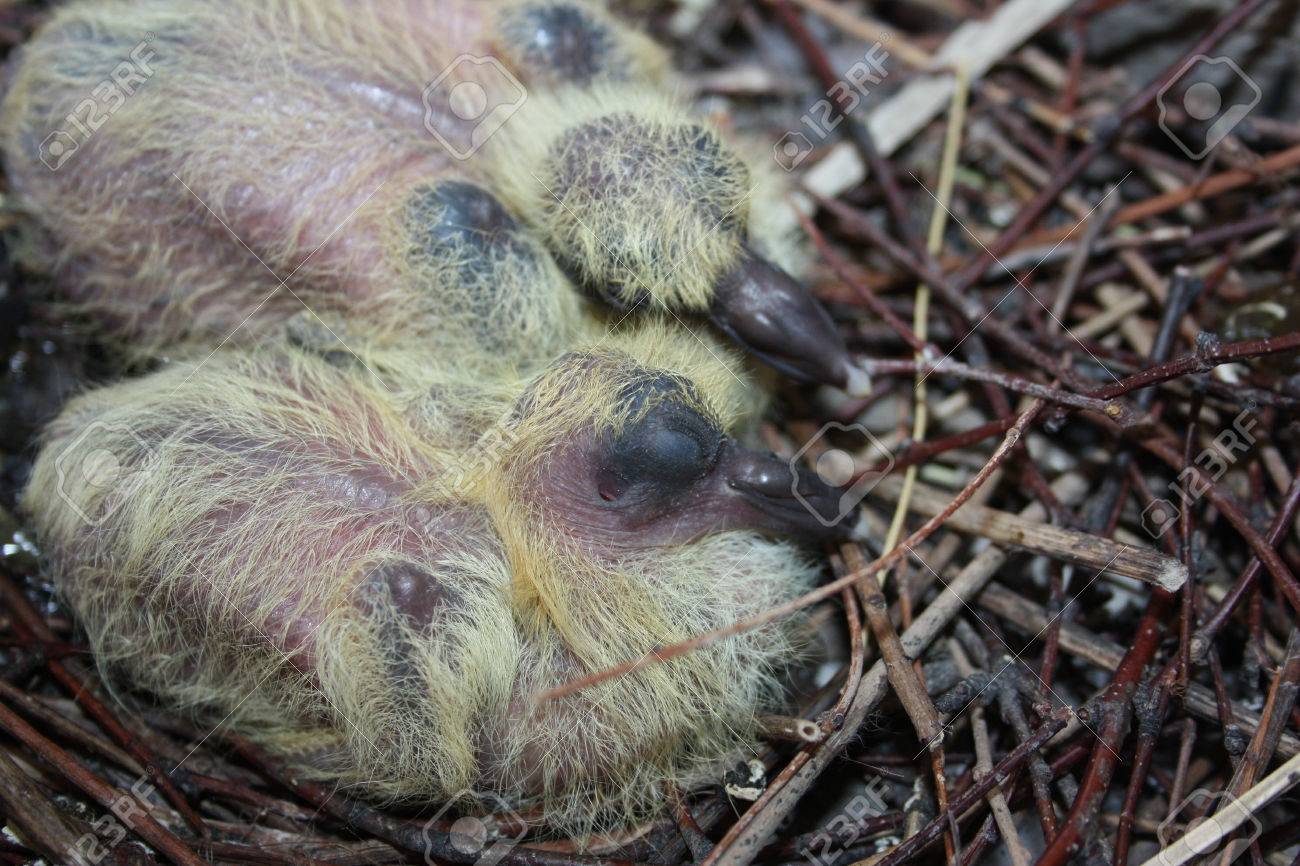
(975, 46)
(781, 611)
(903, 677)
(1069, 490)
(1257, 247)
(790, 729)
(921, 309)
(1025, 257)
(984, 765)
(1158, 287)
(1068, 545)
(1031, 618)
(1118, 309)
(1094, 225)
(1205, 835)
(869, 31)
(1043, 66)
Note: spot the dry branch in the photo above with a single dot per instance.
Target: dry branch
(1090, 551)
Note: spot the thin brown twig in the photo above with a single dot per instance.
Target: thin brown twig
(140, 822)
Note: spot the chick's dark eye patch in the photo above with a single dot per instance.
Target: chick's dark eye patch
(455, 213)
(667, 443)
(564, 40)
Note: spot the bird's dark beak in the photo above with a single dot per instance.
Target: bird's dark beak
(764, 492)
(768, 312)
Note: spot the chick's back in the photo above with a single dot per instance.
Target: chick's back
(179, 160)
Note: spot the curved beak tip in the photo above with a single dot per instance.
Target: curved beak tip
(778, 320)
(858, 381)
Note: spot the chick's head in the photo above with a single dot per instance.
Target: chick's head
(619, 453)
(631, 520)
(627, 445)
(647, 207)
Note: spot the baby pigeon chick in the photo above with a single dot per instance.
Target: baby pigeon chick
(281, 542)
(227, 146)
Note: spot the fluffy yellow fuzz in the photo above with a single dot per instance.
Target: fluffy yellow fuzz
(228, 567)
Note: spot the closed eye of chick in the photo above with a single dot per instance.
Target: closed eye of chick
(302, 140)
(294, 549)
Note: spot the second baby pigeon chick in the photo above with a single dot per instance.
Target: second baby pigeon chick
(201, 171)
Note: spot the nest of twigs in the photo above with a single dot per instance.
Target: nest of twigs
(1068, 246)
